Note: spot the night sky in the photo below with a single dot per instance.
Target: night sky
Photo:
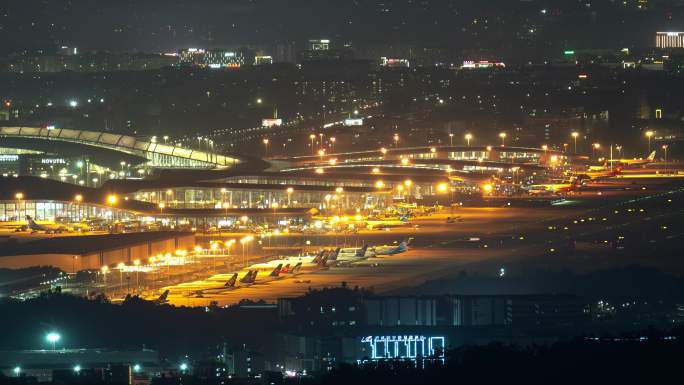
(167, 25)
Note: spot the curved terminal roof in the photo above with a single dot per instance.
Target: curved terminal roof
(157, 154)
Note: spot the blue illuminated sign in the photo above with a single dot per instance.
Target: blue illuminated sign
(405, 347)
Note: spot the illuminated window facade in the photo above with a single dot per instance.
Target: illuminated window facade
(56, 210)
(261, 198)
(213, 58)
(670, 39)
(468, 155)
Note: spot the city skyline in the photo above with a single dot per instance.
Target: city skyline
(149, 26)
(305, 192)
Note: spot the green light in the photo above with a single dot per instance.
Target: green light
(53, 337)
(569, 52)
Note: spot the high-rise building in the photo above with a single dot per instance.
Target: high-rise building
(285, 52)
(670, 39)
(319, 44)
(394, 62)
(323, 50)
(262, 59)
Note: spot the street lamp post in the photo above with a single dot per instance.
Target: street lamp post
(451, 139)
(53, 338)
(408, 183)
(502, 135)
(105, 270)
(78, 199)
(19, 197)
(111, 201)
(121, 266)
(312, 137)
(332, 144)
(649, 134)
(575, 134)
(468, 136)
(266, 146)
(289, 191)
(396, 140)
(137, 274)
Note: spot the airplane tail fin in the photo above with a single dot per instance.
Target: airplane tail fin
(249, 277)
(231, 281)
(651, 156)
(334, 253)
(361, 253)
(286, 269)
(30, 220)
(403, 246)
(317, 259)
(296, 268)
(162, 298)
(276, 271)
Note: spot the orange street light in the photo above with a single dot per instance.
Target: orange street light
(112, 199)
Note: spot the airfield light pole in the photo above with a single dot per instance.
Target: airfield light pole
(19, 197)
(137, 275)
(649, 135)
(467, 138)
(575, 134)
(105, 270)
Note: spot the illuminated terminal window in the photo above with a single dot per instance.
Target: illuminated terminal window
(468, 155)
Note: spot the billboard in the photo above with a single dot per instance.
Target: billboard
(353, 122)
(404, 347)
(271, 122)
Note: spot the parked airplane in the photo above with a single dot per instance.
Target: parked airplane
(163, 298)
(249, 278)
(598, 172)
(48, 228)
(292, 270)
(349, 255)
(403, 220)
(307, 262)
(635, 162)
(395, 249)
(552, 188)
(230, 284)
(275, 274)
